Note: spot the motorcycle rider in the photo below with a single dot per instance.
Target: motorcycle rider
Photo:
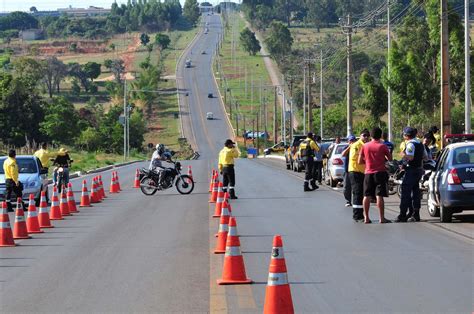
(12, 183)
(226, 166)
(159, 155)
(307, 150)
(62, 160)
(413, 156)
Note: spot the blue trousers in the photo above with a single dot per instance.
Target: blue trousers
(411, 194)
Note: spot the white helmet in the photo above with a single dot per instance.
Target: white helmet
(160, 148)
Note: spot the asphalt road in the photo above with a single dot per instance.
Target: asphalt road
(133, 253)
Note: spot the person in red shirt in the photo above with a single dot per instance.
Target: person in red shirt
(373, 155)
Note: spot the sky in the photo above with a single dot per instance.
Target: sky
(25, 5)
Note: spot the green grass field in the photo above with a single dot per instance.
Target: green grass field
(240, 73)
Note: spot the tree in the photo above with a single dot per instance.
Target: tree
(144, 39)
(18, 21)
(249, 41)
(85, 73)
(54, 71)
(279, 41)
(33, 9)
(117, 67)
(92, 70)
(191, 11)
(375, 97)
(162, 40)
(28, 68)
(60, 121)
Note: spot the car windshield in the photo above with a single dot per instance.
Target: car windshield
(340, 149)
(464, 155)
(25, 165)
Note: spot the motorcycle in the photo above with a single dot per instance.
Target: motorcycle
(428, 167)
(152, 181)
(62, 178)
(394, 172)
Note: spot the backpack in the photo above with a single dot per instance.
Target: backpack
(306, 150)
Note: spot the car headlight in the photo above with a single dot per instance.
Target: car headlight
(31, 184)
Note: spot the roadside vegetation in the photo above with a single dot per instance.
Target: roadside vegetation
(414, 77)
(68, 89)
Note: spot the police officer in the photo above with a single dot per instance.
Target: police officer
(226, 166)
(12, 183)
(413, 157)
(307, 151)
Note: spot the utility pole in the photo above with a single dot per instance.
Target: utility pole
(304, 98)
(125, 119)
(321, 92)
(310, 104)
(389, 95)
(347, 29)
(445, 97)
(284, 114)
(467, 70)
(275, 127)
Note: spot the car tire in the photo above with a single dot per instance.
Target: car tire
(433, 210)
(445, 214)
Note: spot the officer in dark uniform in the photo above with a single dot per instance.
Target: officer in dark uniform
(413, 156)
(307, 150)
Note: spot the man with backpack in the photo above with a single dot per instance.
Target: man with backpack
(307, 150)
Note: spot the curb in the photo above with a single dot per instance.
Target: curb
(272, 157)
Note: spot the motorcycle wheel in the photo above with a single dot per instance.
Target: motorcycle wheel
(392, 188)
(148, 190)
(399, 190)
(184, 184)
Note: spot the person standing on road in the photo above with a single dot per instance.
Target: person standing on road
(307, 151)
(374, 154)
(318, 161)
(356, 175)
(413, 157)
(43, 155)
(387, 142)
(226, 166)
(347, 180)
(12, 183)
(434, 129)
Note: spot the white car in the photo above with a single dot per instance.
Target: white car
(334, 170)
(209, 116)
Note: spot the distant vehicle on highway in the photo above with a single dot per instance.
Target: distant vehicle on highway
(251, 135)
(451, 185)
(206, 30)
(203, 52)
(187, 63)
(33, 178)
(333, 171)
(210, 95)
(209, 116)
(291, 150)
(277, 148)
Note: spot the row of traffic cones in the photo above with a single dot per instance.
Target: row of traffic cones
(278, 294)
(36, 220)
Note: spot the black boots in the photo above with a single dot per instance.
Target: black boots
(314, 186)
(232, 194)
(415, 216)
(306, 187)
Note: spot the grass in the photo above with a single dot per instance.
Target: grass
(238, 74)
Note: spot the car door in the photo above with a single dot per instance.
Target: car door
(438, 176)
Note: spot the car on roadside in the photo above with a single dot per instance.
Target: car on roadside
(203, 52)
(277, 148)
(210, 95)
(451, 184)
(209, 116)
(333, 170)
(292, 149)
(31, 175)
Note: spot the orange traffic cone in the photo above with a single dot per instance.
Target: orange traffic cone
(215, 190)
(117, 181)
(6, 235)
(190, 172)
(55, 212)
(43, 214)
(222, 232)
(136, 182)
(71, 202)
(113, 184)
(278, 294)
(211, 183)
(32, 223)
(85, 200)
(94, 194)
(63, 204)
(219, 201)
(102, 190)
(19, 229)
(234, 268)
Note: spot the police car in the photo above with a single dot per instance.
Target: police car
(451, 186)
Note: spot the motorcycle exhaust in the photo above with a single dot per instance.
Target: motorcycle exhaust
(149, 186)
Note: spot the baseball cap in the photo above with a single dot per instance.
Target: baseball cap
(351, 138)
(409, 131)
(229, 142)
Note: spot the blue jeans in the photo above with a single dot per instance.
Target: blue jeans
(65, 177)
(411, 194)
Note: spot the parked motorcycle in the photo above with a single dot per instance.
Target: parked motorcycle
(394, 175)
(428, 167)
(152, 181)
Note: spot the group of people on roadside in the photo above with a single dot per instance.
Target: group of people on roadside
(13, 185)
(366, 177)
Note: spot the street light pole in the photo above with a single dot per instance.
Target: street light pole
(321, 92)
(125, 119)
(389, 95)
(467, 69)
